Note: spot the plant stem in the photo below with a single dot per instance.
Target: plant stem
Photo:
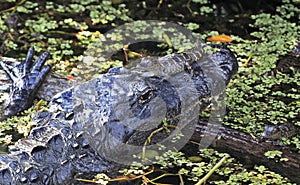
(204, 179)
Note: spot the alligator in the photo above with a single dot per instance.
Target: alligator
(71, 138)
(275, 133)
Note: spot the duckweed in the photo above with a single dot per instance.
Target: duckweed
(256, 96)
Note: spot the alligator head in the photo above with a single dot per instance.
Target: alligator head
(123, 107)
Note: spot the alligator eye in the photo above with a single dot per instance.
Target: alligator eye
(145, 96)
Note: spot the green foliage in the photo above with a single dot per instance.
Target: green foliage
(257, 96)
(260, 175)
(204, 9)
(106, 13)
(273, 154)
(41, 25)
(174, 163)
(192, 26)
(53, 26)
(21, 125)
(27, 7)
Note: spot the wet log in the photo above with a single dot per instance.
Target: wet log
(250, 151)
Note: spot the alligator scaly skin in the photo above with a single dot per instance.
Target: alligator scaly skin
(26, 81)
(63, 145)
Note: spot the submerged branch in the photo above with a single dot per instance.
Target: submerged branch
(251, 152)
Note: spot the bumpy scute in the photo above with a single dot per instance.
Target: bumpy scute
(59, 149)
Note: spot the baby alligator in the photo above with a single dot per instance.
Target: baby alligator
(277, 132)
(72, 137)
